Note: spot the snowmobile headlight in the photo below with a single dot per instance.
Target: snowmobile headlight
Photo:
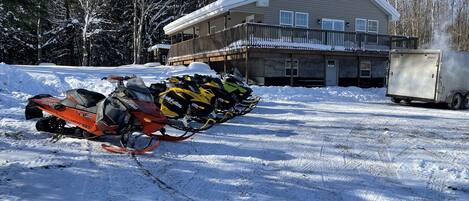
(147, 120)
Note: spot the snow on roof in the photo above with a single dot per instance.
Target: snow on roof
(223, 6)
(159, 46)
(212, 10)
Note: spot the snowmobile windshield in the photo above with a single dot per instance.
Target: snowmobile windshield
(219, 83)
(191, 85)
(235, 79)
(139, 90)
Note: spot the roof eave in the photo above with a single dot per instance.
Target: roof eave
(210, 11)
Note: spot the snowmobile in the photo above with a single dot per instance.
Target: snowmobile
(224, 103)
(187, 107)
(239, 90)
(85, 114)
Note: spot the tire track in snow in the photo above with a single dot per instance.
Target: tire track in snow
(92, 162)
(386, 163)
(160, 183)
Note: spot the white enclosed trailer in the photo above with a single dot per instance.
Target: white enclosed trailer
(429, 75)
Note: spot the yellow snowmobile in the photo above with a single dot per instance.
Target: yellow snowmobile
(225, 102)
(240, 91)
(186, 106)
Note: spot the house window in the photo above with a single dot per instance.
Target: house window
(291, 65)
(365, 69)
(301, 19)
(360, 25)
(333, 24)
(373, 26)
(373, 30)
(286, 18)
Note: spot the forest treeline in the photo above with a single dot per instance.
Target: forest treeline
(116, 32)
(434, 22)
(85, 32)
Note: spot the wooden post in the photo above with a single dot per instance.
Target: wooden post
(358, 72)
(247, 68)
(291, 69)
(193, 32)
(208, 28)
(224, 64)
(324, 58)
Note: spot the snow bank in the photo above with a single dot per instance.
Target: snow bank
(329, 94)
(18, 83)
(21, 82)
(17, 86)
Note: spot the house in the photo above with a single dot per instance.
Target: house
(158, 53)
(291, 42)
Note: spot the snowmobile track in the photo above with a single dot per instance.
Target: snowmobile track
(161, 184)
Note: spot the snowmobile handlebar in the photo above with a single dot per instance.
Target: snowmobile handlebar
(117, 78)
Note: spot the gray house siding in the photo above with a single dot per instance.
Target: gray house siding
(334, 9)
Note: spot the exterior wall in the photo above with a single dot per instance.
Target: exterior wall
(234, 18)
(271, 68)
(335, 9)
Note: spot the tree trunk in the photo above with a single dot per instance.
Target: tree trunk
(71, 34)
(135, 33)
(84, 36)
(39, 35)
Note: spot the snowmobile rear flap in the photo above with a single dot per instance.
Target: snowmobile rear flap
(84, 97)
(31, 110)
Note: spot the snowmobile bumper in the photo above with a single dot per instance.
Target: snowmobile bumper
(32, 110)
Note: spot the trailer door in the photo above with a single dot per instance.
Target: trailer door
(413, 75)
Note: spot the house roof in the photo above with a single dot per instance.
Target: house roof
(159, 46)
(214, 9)
(223, 6)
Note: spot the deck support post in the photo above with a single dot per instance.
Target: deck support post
(224, 64)
(358, 71)
(291, 69)
(193, 32)
(246, 72)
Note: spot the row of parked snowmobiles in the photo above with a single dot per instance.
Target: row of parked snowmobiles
(134, 111)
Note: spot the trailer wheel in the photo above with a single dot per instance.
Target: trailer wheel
(456, 102)
(396, 100)
(465, 102)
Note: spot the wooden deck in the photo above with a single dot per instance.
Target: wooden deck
(235, 42)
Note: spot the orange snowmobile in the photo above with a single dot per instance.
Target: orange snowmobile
(85, 114)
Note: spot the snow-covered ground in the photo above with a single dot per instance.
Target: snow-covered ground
(299, 144)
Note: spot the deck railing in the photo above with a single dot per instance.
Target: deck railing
(251, 35)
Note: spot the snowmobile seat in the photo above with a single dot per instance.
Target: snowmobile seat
(82, 99)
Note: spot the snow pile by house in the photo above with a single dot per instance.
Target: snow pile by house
(327, 94)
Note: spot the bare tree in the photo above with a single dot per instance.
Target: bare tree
(148, 18)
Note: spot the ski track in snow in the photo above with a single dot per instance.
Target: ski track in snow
(299, 144)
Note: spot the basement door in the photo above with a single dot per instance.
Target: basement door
(331, 73)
